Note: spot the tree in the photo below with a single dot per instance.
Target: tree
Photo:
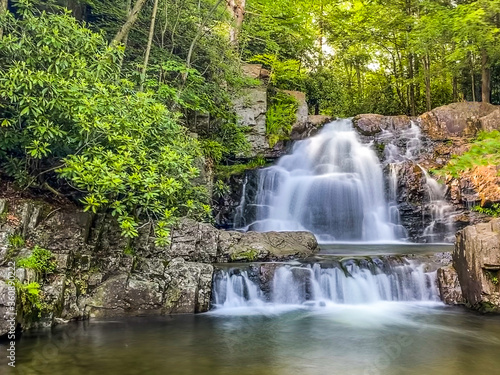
(71, 125)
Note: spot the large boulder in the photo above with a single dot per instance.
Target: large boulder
(491, 121)
(254, 246)
(476, 259)
(303, 130)
(372, 124)
(455, 120)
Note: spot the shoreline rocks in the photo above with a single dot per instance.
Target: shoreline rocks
(101, 274)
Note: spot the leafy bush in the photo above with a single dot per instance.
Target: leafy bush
(39, 261)
(280, 117)
(30, 299)
(494, 210)
(64, 112)
(485, 150)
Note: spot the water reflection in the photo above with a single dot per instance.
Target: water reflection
(390, 338)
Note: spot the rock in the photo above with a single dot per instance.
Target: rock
(188, 288)
(491, 122)
(251, 70)
(480, 184)
(251, 108)
(371, 124)
(449, 286)
(309, 128)
(455, 120)
(477, 261)
(302, 110)
(193, 241)
(122, 296)
(254, 246)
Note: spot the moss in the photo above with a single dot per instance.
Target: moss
(492, 276)
(224, 172)
(250, 255)
(488, 307)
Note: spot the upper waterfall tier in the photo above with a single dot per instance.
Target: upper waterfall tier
(331, 185)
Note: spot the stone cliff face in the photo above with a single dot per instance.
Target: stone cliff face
(476, 260)
(101, 274)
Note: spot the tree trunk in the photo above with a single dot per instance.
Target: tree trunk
(129, 23)
(473, 81)
(427, 70)
(150, 42)
(411, 98)
(125, 39)
(455, 89)
(197, 36)
(486, 77)
(237, 10)
(4, 4)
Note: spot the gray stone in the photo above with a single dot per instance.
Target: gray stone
(455, 120)
(449, 286)
(477, 261)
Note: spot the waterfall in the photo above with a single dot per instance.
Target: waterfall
(331, 185)
(348, 282)
(441, 212)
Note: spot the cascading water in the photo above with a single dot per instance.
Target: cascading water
(349, 282)
(441, 212)
(331, 185)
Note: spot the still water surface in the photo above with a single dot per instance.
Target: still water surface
(390, 338)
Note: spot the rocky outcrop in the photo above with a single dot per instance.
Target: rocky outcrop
(476, 259)
(455, 120)
(372, 124)
(251, 108)
(303, 130)
(479, 185)
(101, 274)
(491, 122)
(449, 286)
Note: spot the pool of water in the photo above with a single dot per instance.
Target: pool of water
(389, 338)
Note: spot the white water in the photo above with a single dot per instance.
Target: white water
(440, 210)
(331, 185)
(313, 286)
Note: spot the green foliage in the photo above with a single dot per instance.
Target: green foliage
(221, 189)
(287, 74)
(493, 210)
(63, 108)
(493, 276)
(280, 117)
(224, 172)
(485, 150)
(30, 298)
(225, 141)
(41, 261)
(16, 241)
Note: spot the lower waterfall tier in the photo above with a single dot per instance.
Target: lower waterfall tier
(352, 281)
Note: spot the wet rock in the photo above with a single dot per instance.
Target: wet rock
(455, 120)
(371, 124)
(303, 130)
(254, 246)
(477, 261)
(449, 286)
